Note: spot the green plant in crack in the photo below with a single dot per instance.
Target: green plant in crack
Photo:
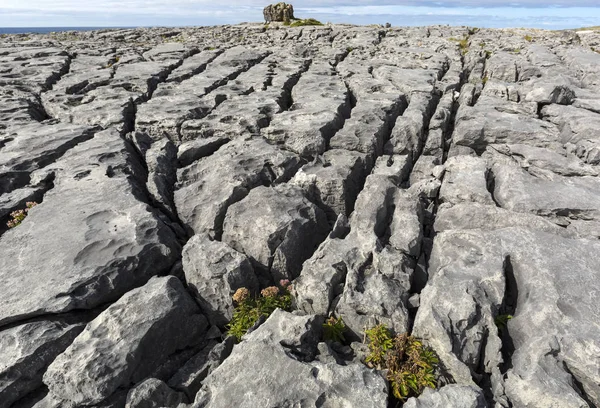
(501, 321)
(249, 308)
(463, 44)
(379, 340)
(19, 215)
(410, 365)
(333, 329)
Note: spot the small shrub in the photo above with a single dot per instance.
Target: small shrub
(333, 329)
(482, 44)
(19, 215)
(379, 342)
(528, 38)
(305, 22)
(484, 80)
(249, 309)
(488, 54)
(410, 365)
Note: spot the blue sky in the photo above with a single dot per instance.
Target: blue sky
(482, 13)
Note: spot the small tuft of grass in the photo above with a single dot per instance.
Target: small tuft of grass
(463, 44)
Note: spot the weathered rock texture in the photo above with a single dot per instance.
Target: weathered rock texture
(281, 12)
(396, 176)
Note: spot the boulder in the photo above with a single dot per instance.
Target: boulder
(281, 12)
(277, 228)
(214, 271)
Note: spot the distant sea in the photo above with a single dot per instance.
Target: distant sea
(43, 30)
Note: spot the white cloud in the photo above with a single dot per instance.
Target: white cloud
(201, 12)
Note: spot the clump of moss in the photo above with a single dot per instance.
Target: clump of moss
(249, 308)
(410, 365)
(305, 22)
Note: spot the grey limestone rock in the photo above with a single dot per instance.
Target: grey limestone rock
(126, 342)
(247, 378)
(209, 186)
(189, 378)
(27, 351)
(397, 175)
(214, 271)
(88, 249)
(454, 396)
(153, 393)
(277, 228)
(281, 12)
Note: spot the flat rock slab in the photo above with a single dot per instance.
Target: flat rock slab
(91, 248)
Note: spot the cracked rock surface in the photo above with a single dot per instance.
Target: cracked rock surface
(394, 175)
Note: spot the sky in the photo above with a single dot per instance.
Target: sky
(551, 14)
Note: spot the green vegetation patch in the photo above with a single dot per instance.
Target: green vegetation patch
(19, 215)
(333, 330)
(306, 22)
(249, 308)
(410, 365)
